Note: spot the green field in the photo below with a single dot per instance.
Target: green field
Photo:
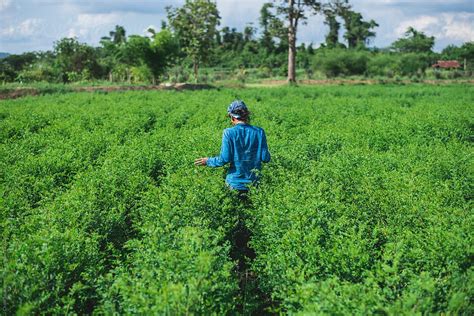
(365, 208)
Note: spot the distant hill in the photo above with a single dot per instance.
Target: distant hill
(3, 55)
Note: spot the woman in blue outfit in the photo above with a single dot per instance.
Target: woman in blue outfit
(244, 147)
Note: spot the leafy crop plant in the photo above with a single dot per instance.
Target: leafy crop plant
(365, 208)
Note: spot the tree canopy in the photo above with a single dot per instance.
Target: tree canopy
(195, 24)
(191, 39)
(414, 42)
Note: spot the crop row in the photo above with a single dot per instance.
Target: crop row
(366, 206)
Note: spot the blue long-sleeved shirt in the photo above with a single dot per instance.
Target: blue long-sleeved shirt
(245, 147)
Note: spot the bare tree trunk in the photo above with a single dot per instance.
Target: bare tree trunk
(196, 70)
(293, 22)
(291, 56)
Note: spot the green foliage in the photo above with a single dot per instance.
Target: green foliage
(414, 42)
(463, 54)
(383, 65)
(195, 24)
(74, 58)
(365, 208)
(332, 10)
(413, 64)
(192, 40)
(39, 71)
(341, 62)
(11, 65)
(358, 32)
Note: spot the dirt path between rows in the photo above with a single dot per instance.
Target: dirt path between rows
(22, 92)
(322, 82)
(28, 91)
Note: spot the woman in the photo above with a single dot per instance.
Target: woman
(244, 147)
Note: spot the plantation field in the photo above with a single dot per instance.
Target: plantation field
(365, 208)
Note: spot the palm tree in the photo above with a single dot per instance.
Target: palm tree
(118, 35)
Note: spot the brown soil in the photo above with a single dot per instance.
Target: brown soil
(21, 92)
(268, 83)
(17, 93)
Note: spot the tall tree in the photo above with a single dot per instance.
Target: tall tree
(231, 39)
(118, 35)
(195, 24)
(414, 42)
(111, 49)
(249, 32)
(358, 31)
(332, 38)
(294, 12)
(265, 23)
(164, 50)
(74, 58)
(331, 11)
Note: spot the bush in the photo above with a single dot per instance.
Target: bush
(241, 75)
(382, 64)
(37, 72)
(141, 74)
(365, 207)
(337, 62)
(179, 74)
(413, 64)
(454, 74)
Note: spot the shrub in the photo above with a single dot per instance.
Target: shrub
(382, 64)
(141, 74)
(365, 207)
(338, 62)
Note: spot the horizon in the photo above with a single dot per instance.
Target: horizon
(35, 25)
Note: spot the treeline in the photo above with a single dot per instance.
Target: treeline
(192, 38)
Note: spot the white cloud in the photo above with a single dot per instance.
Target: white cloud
(5, 4)
(88, 26)
(459, 27)
(27, 28)
(421, 23)
(447, 26)
(91, 21)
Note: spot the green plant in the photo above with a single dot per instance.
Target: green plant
(365, 207)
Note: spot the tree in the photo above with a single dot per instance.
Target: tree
(332, 38)
(231, 39)
(464, 54)
(74, 59)
(249, 32)
(111, 49)
(294, 12)
(414, 42)
(164, 48)
(11, 65)
(118, 35)
(358, 31)
(265, 23)
(195, 24)
(331, 11)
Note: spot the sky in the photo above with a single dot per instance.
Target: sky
(34, 25)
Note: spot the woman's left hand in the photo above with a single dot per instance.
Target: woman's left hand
(200, 162)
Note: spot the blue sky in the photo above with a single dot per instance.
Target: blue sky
(27, 25)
